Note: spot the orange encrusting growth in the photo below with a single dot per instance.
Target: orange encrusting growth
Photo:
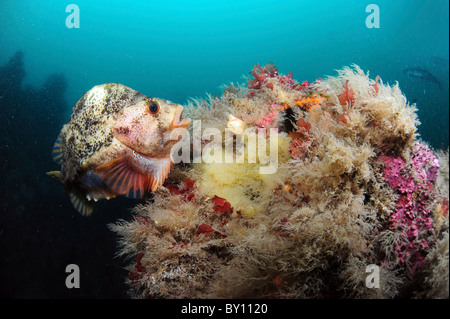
(309, 102)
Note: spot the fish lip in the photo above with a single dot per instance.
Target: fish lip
(178, 121)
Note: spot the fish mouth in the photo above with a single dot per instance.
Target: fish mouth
(178, 121)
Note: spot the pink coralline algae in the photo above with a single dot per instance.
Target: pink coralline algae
(270, 117)
(414, 182)
(287, 79)
(425, 163)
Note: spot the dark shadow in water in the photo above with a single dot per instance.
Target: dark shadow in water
(425, 81)
(40, 232)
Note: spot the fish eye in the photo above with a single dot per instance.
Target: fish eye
(153, 107)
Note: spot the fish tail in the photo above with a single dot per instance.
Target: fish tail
(80, 202)
(77, 198)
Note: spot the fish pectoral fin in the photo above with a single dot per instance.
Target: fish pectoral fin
(125, 180)
(160, 170)
(57, 151)
(122, 179)
(80, 202)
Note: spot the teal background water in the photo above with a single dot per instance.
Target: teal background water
(173, 50)
(181, 49)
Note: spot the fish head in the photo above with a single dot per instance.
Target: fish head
(151, 126)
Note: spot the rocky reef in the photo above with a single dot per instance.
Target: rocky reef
(354, 187)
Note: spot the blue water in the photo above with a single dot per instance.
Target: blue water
(174, 50)
(181, 49)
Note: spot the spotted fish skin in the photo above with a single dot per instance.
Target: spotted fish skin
(116, 142)
(88, 130)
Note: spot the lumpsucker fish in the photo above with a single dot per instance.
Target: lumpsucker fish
(117, 141)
